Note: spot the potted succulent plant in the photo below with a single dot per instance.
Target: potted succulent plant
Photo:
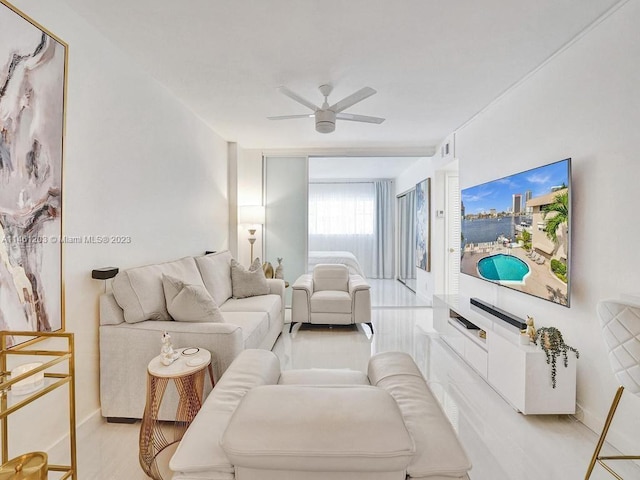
(553, 345)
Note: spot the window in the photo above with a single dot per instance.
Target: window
(341, 209)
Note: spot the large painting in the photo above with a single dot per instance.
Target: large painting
(32, 115)
(423, 225)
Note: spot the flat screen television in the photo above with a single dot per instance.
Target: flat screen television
(516, 231)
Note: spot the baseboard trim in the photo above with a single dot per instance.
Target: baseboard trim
(88, 424)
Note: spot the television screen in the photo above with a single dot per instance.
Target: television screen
(516, 231)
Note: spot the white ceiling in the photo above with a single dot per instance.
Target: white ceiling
(434, 63)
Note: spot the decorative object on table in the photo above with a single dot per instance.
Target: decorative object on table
(423, 225)
(620, 324)
(30, 466)
(167, 353)
(267, 268)
(29, 384)
(553, 345)
(530, 331)
(252, 216)
(279, 270)
(33, 64)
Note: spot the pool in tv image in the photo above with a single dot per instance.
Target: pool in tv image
(516, 231)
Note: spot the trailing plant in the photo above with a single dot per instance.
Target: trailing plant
(553, 345)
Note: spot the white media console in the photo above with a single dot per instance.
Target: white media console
(519, 373)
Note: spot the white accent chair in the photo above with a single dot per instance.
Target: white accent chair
(330, 295)
(621, 331)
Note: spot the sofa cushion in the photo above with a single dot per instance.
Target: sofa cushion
(331, 301)
(330, 277)
(247, 283)
(438, 450)
(139, 290)
(340, 428)
(323, 376)
(254, 326)
(216, 275)
(189, 303)
(271, 304)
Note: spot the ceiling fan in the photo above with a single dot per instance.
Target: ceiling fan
(326, 115)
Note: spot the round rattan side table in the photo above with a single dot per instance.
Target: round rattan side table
(187, 373)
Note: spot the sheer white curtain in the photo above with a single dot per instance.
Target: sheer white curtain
(345, 216)
(407, 236)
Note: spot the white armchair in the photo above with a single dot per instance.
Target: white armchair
(330, 295)
(621, 331)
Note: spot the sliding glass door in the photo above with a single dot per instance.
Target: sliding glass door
(285, 191)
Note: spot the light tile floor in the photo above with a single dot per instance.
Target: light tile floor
(502, 444)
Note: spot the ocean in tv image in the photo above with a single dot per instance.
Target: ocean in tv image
(516, 231)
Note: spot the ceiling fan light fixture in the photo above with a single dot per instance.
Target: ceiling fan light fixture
(325, 127)
(325, 121)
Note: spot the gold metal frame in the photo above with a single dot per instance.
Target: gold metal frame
(55, 380)
(63, 146)
(597, 458)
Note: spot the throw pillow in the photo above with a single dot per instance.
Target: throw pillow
(189, 303)
(248, 283)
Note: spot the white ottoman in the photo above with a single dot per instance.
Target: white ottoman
(318, 433)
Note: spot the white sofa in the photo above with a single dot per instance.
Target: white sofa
(133, 317)
(261, 423)
(330, 295)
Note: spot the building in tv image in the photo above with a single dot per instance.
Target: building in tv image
(516, 231)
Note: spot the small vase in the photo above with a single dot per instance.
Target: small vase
(280, 270)
(267, 269)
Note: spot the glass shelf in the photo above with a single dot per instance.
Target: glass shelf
(32, 350)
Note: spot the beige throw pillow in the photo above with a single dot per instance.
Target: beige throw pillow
(248, 283)
(189, 303)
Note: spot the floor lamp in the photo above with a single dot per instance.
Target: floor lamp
(252, 216)
(621, 330)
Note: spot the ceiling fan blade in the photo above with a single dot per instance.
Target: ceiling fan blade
(287, 117)
(359, 118)
(297, 98)
(352, 99)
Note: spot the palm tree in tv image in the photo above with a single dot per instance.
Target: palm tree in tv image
(558, 216)
(560, 207)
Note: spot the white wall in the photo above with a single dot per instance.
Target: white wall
(584, 104)
(249, 193)
(428, 283)
(137, 163)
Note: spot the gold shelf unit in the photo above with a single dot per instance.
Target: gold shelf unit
(52, 380)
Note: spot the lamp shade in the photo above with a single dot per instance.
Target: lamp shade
(251, 214)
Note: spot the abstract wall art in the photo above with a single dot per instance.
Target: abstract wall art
(423, 225)
(33, 65)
